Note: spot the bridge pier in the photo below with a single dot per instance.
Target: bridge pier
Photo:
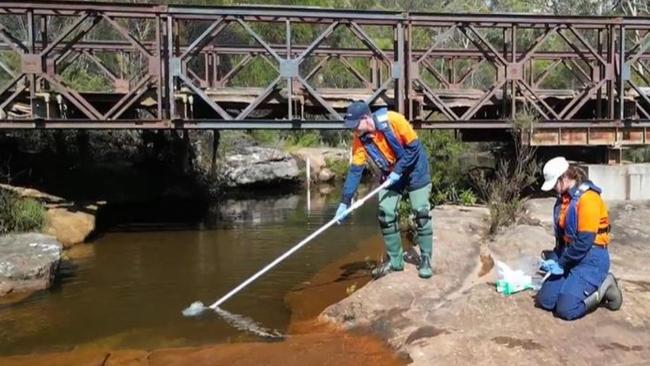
(621, 182)
(614, 155)
(216, 139)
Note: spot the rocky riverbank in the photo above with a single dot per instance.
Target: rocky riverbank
(115, 166)
(69, 222)
(458, 317)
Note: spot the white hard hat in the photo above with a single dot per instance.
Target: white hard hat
(553, 170)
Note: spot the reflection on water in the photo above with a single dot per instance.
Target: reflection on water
(127, 289)
(265, 210)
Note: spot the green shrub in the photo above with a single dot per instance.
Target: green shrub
(638, 154)
(20, 214)
(449, 175)
(85, 81)
(404, 211)
(231, 140)
(467, 197)
(502, 192)
(503, 188)
(303, 139)
(269, 138)
(338, 166)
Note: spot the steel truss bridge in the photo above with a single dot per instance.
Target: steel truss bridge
(86, 65)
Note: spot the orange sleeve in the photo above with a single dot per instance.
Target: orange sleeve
(589, 212)
(358, 151)
(402, 127)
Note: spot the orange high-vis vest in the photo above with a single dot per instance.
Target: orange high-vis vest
(583, 211)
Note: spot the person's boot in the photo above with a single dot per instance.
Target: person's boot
(424, 269)
(395, 262)
(385, 268)
(613, 299)
(609, 294)
(424, 239)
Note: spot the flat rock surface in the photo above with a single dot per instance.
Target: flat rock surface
(457, 317)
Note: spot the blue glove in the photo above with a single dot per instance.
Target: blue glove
(394, 178)
(552, 266)
(340, 217)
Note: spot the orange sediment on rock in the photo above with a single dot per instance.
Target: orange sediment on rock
(333, 283)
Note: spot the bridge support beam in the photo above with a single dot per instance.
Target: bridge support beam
(216, 139)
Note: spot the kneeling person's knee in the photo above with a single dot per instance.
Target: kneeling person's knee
(569, 307)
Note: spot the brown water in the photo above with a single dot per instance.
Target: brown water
(126, 290)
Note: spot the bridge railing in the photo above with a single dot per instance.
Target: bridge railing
(101, 65)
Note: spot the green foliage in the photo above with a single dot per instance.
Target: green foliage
(448, 173)
(638, 155)
(503, 188)
(334, 138)
(302, 139)
(86, 81)
(12, 61)
(232, 139)
(287, 140)
(258, 73)
(20, 214)
(270, 138)
(502, 194)
(467, 197)
(290, 140)
(338, 167)
(404, 213)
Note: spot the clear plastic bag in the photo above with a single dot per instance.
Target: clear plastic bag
(522, 275)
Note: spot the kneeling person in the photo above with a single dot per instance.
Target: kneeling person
(579, 264)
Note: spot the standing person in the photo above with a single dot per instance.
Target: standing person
(388, 140)
(579, 263)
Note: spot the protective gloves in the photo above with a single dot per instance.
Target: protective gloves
(393, 178)
(552, 266)
(340, 217)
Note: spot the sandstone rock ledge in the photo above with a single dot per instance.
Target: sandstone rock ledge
(69, 222)
(458, 318)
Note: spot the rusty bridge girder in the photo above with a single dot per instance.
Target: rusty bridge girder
(105, 65)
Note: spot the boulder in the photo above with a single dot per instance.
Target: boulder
(259, 166)
(325, 175)
(28, 261)
(318, 157)
(69, 226)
